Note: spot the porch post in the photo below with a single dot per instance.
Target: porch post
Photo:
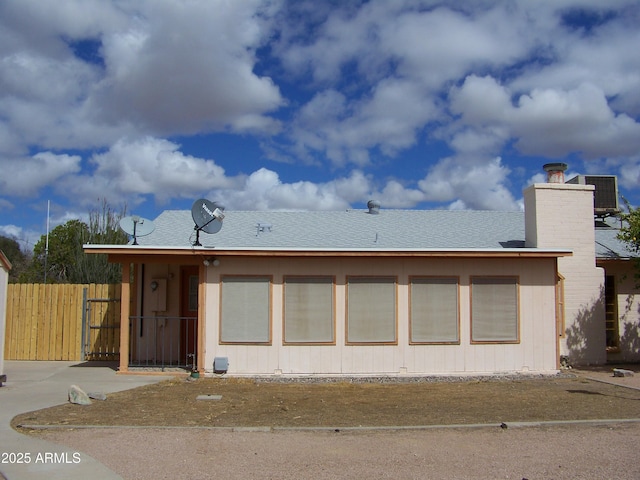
(125, 300)
(202, 277)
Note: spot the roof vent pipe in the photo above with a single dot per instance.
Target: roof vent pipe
(555, 172)
(374, 207)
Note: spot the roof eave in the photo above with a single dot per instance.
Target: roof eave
(4, 262)
(615, 258)
(350, 252)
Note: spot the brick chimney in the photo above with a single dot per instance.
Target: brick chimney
(560, 215)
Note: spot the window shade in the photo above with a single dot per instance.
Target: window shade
(434, 310)
(245, 310)
(372, 310)
(494, 309)
(308, 310)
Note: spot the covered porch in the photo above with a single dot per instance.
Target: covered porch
(162, 302)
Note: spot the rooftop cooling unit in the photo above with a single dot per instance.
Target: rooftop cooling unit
(606, 192)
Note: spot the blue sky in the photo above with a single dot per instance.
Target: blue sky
(308, 104)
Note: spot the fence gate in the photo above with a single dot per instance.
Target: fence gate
(100, 327)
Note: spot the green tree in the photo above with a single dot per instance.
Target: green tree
(55, 262)
(19, 259)
(630, 230)
(630, 234)
(64, 261)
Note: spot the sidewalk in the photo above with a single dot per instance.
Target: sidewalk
(604, 373)
(36, 385)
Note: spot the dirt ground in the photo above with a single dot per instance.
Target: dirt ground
(338, 404)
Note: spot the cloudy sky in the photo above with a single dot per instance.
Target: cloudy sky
(262, 104)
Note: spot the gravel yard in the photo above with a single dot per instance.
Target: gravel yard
(560, 452)
(312, 430)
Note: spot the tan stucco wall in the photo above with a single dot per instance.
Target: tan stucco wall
(561, 216)
(536, 351)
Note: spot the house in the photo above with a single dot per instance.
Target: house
(5, 267)
(379, 291)
(620, 295)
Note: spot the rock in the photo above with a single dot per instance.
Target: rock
(621, 372)
(78, 396)
(97, 395)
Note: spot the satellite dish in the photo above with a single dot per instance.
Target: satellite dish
(136, 227)
(207, 216)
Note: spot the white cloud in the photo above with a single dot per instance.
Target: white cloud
(29, 174)
(11, 231)
(555, 123)
(480, 101)
(388, 119)
(163, 67)
(605, 56)
(187, 69)
(407, 56)
(342, 35)
(396, 195)
(131, 169)
(335, 85)
(263, 190)
(443, 44)
(476, 184)
(630, 175)
(547, 122)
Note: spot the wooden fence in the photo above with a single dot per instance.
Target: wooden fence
(45, 322)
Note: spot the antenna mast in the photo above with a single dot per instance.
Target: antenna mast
(46, 247)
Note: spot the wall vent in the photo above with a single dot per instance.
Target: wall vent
(606, 192)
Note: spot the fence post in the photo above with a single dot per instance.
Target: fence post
(84, 324)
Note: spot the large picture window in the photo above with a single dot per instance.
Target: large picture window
(434, 310)
(371, 310)
(494, 309)
(245, 307)
(308, 310)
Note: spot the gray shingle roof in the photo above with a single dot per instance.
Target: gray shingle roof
(351, 229)
(607, 243)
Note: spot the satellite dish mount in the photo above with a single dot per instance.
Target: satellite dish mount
(207, 216)
(136, 226)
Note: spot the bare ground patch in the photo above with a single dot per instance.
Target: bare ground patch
(255, 403)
